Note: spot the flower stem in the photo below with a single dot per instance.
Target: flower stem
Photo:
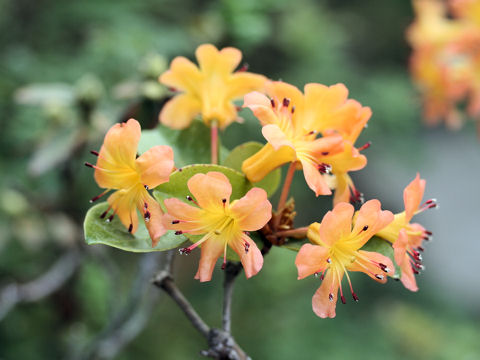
(285, 191)
(214, 141)
(298, 233)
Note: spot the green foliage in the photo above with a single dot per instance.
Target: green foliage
(190, 146)
(99, 231)
(383, 247)
(236, 157)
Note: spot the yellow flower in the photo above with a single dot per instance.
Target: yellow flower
(209, 89)
(118, 168)
(222, 223)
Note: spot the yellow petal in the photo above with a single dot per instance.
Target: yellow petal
(223, 62)
(242, 83)
(179, 112)
(124, 204)
(183, 75)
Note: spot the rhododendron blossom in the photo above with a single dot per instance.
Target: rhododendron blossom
(336, 251)
(220, 222)
(118, 168)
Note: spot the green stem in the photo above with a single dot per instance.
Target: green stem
(214, 141)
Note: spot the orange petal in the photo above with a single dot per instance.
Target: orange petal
(179, 112)
(259, 165)
(210, 190)
(252, 260)
(123, 203)
(155, 165)
(408, 277)
(242, 83)
(412, 196)
(314, 178)
(321, 303)
(280, 90)
(349, 159)
(336, 224)
(223, 62)
(311, 259)
(416, 234)
(190, 217)
(212, 249)
(252, 211)
(400, 248)
(261, 107)
(276, 137)
(154, 221)
(183, 75)
(366, 263)
(117, 156)
(370, 220)
(342, 188)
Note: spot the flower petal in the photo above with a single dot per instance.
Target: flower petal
(342, 188)
(276, 137)
(183, 75)
(252, 260)
(179, 112)
(210, 190)
(370, 220)
(252, 211)
(155, 165)
(336, 224)
(123, 203)
(154, 222)
(212, 249)
(400, 248)
(223, 62)
(408, 277)
(311, 259)
(190, 217)
(321, 303)
(314, 178)
(261, 107)
(242, 83)
(259, 165)
(367, 261)
(116, 160)
(412, 196)
(280, 90)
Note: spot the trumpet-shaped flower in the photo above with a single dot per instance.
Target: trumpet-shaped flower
(118, 168)
(220, 222)
(208, 89)
(336, 251)
(291, 122)
(407, 237)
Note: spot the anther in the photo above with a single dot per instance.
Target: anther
(379, 276)
(145, 206)
(178, 232)
(87, 164)
(365, 228)
(224, 201)
(429, 233)
(329, 260)
(110, 219)
(146, 187)
(217, 232)
(93, 152)
(272, 102)
(96, 197)
(420, 248)
(243, 68)
(286, 102)
(366, 146)
(175, 222)
(415, 271)
(355, 297)
(224, 265)
(324, 168)
(343, 299)
(322, 276)
(146, 216)
(330, 297)
(130, 228)
(325, 153)
(419, 266)
(172, 89)
(293, 109)
(384, 267)
(104, 214)
(184, 251)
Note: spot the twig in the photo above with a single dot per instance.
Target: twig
(231, 272)
(298, 233)
(41, 287)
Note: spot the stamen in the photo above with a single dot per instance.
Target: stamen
(324, 168)
(286, 102)
(175, 222)
(384, 267)
(247, 246)
(145, 206)
(272, 102)
(110, 218)
(104, 214)
(146, 216)
(325, 153)
(343, 299)
(172, 89)
(429, 233)
(178, 232)
(420, 248)
(365, 228)
(93, 152)
(189, 198)
(130, 228)
(379, 276)
(185, 251)
(355, 297)
(98, 196)
(146, 187)
(366, 146)
(87, 164)
(330, 297)
(243, 68)
(293, 109)
(329, 260)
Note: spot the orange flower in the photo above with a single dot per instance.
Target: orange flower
(407, 237)
(208, 89)
(222, 222)
(118, 168)
(336, 250)
(291, 122)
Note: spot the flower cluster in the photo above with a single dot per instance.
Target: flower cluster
(314, 131)
(445, 62)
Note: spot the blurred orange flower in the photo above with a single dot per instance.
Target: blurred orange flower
(119, 168)
(208, 89)
(222, 222)
(336, 250)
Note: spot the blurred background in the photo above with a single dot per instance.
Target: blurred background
(70, 69)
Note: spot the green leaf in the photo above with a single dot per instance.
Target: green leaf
(236, 157)
(177, 186)
(383, 247)
(98, 231)
(190, 146)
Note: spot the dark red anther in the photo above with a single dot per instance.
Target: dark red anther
(293, 109)
(366, 146)
(175, 222)
(330, 297)
(189, 198)
(365, 228)
(379, 276)
(185, 251)
(145, 206)
(419, 266)
(130, 228)
(355, 297)
(104, 214)
(322, 276)
(325, 153)
(180, 169)
(429, 233)
(415, 271)
(430, 201)
(286, 102)
(178, 232)
(146, 216)
(224, 265)
(324, 168)
(87, 164)
(433, 205)
(243, 68)
(224, 201)
(110, 218)
(172, 89)
(96, 198)
(272, 102)
(146, 187)
(93, 152)
(420, 248)
(343, 299)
